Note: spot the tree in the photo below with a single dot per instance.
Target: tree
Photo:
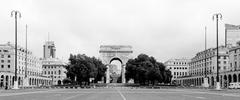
(81, 68)
(145, 69)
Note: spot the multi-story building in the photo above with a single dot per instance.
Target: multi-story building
(53, 67)
(49, 50)
(33, 67)
(207, 59)
(232, 34)
(234, 58)
(178, 67)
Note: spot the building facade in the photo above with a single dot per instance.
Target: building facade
(208, 58)
(49, 50)
(30, 67)
(55, 69)
(232, 34)
(178, 67)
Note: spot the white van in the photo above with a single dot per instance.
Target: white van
(235, 85)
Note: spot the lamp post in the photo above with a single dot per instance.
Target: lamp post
(26, 80)
(205, 84)
(16, 14)
(217, 16)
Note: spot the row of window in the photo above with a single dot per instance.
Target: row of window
(3, 50)
(8, 56)
(2, 66)
(180, 73)
(177, 67)
(9, 61)
(179, 63)
(45, 67)
(54, 76)
(51, 72)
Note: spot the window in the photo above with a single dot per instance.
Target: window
(60, 71)
(9, 56)
(9, 61)
(2, 66)
(8, 66)
(2, 61)
(224, 62)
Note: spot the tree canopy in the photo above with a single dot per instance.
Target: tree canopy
(81, 68)
(145, 70)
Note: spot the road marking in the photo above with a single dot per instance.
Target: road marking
(71, 97)
(121, 94)
(211, 93)
(195, 97)
(22, 93)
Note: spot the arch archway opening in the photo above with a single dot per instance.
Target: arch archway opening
(59, 82)
(234, 78)
(115, 70)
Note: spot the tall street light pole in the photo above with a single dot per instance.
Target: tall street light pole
(205, 72)
(16, 14)
(26, 80)
(217, 16)
(26, 55)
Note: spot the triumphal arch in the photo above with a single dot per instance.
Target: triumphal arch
(122, 53)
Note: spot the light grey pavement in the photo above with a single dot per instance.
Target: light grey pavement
(119, 94)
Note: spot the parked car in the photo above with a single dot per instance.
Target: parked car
(235, 85)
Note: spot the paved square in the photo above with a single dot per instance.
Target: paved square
(119, 94)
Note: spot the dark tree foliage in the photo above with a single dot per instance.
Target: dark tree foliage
(81, 68)
(146, 70)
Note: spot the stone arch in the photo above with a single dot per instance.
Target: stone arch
(239, 77)
(234, 78)
(1, 81)
(6, 80)
(19, 80)
(59, 82)
(13, 78)
(208, 80)
(229, 78)
(225, 77)
(122, 53)
(30, 81)
(212, 81)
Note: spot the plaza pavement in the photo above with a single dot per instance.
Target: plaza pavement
(119, 94)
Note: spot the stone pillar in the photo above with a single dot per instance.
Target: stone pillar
(25, 82)
(107, 75)
(123, 74)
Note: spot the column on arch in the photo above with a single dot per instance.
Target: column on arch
(123, 73)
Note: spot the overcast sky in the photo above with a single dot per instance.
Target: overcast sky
(161, 28)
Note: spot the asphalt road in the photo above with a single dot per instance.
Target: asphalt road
(119, 94)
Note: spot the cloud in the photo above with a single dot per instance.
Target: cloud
(162, 28)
